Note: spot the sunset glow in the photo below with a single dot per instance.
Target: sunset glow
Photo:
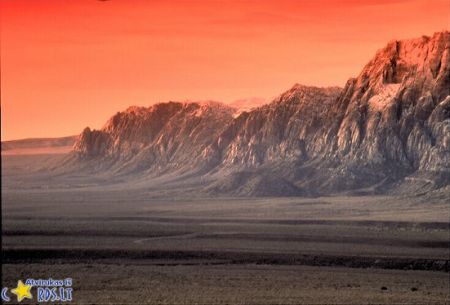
(70, 64)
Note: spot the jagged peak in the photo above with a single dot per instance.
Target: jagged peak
(301, 92)
(395, 46)
(302, 87)
(403, 59)
(183, 104)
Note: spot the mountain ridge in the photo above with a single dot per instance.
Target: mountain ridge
(388, 129)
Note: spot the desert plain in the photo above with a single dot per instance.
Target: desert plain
(124, 243)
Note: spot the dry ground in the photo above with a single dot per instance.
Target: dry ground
(130, 244)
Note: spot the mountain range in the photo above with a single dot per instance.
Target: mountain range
(386, 131)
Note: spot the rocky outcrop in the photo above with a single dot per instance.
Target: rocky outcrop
(391, 122)
(289, 129)
(388, 129)
(160, 138)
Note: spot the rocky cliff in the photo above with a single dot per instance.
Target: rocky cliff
(163, 137)
(387, 130)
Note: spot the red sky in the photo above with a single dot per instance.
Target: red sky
(67, 64)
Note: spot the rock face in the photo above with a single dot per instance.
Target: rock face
(396, 114)
(387, 130)
(163, 137)
(289, 129)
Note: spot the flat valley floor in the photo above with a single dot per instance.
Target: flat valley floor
(133, 245)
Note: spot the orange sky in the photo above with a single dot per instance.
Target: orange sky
(67, 64)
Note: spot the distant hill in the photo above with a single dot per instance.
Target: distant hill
(38, 145)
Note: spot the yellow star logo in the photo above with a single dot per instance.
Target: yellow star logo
(22, 291)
